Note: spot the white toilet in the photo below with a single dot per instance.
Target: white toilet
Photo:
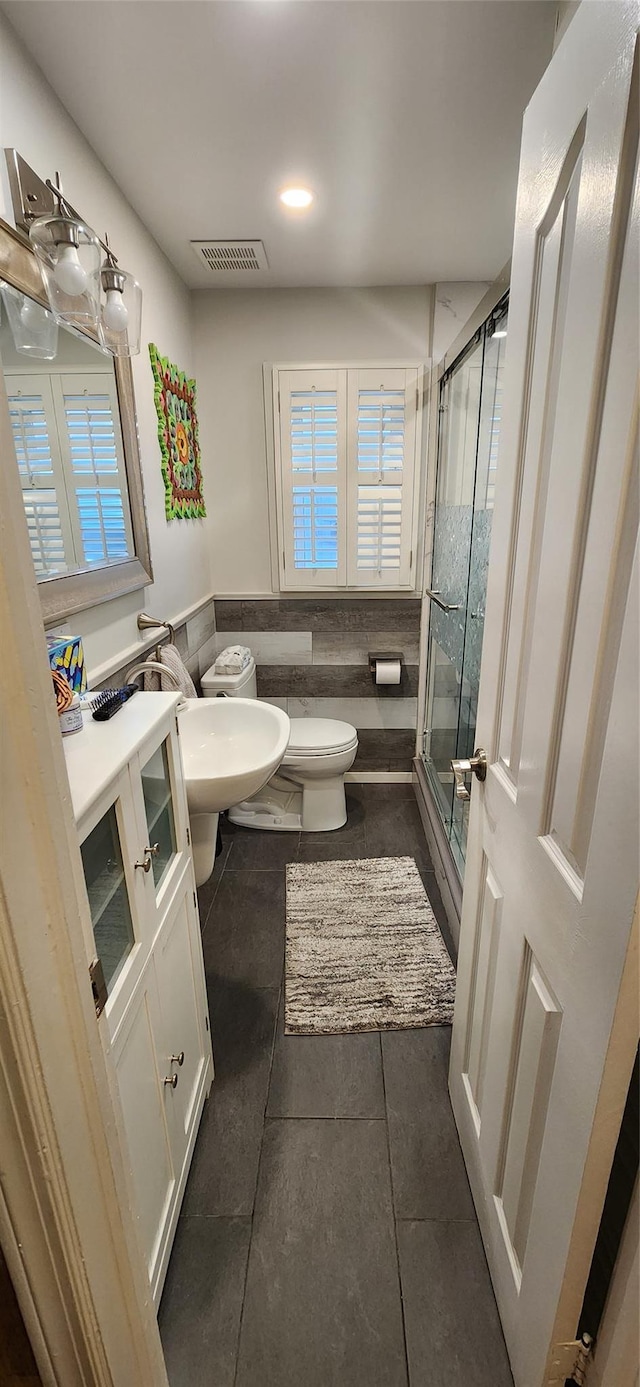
(307, 791)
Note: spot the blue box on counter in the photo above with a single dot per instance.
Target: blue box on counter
(66, 657)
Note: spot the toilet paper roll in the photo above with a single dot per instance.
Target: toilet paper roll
(388, 671)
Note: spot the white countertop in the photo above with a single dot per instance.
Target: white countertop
(99, 752)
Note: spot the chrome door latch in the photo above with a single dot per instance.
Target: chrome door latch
(476, 764)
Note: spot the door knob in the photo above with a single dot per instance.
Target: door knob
(177, 1059)
(146, 861)
(172, 1080)
(476, 764)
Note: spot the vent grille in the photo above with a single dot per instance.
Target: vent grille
(234, 256)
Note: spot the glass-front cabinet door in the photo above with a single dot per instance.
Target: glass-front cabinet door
(159, 812)
(470, 407)
(111, 919)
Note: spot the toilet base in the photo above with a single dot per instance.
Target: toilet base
(319, 806)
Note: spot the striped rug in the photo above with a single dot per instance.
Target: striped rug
(363, 951)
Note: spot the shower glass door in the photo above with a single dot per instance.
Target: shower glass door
(469, 427)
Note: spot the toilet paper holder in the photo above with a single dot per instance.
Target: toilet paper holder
(381, 657)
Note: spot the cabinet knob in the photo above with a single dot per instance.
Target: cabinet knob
(177, 1059)
(148, 854)
(171, 1080)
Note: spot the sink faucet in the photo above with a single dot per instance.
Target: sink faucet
(156, 667)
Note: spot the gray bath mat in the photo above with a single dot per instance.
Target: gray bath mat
(364, 952)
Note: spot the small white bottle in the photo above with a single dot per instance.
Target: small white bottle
(71, 718)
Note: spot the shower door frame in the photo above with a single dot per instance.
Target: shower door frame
(444, 863)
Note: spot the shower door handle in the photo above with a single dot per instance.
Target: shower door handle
(476, 764)
(444, 606)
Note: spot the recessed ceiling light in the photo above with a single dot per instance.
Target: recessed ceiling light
(296, 197)
(500, 332)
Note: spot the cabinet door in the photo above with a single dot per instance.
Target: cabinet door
(184, 1017)
(144, 1099)
(109, 844)
(163, 820)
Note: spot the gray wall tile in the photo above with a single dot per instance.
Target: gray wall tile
(332, 681)
(201, 627)
(352, 647)
(361, 712)
(271, 647)
(320, 614)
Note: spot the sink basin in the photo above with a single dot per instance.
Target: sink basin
(230, 749)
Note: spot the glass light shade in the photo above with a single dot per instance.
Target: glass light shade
(33, 328)
(69, 253)
(121, 315)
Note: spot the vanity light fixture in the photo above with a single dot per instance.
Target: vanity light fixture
(298, 198)
(33, 328)
(69, 255)
(121, 308)
(83, 288)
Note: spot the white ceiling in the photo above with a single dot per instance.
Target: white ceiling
(403, 116)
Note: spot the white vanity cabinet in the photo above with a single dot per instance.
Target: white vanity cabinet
(129, 801)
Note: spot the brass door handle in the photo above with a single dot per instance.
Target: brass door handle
(476, 764)
(171, 1080)
(177, 1059)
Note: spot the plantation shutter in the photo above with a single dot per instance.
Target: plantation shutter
(35, 438)
(89, 425)
(383, 406)
(311, 412)
(346, 469)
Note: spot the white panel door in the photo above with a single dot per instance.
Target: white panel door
(552, 866)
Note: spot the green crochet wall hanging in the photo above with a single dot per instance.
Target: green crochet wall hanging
(175, 398)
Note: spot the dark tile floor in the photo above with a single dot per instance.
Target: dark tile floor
(327, 1236)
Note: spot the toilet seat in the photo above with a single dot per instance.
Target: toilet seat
(312, 737)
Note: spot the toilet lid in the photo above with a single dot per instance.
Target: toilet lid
(319, 736)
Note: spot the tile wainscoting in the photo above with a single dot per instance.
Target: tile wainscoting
(312, 658)
(195, 639)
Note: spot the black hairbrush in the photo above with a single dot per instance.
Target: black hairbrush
(110, 700)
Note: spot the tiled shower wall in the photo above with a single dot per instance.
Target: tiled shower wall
(312, 658)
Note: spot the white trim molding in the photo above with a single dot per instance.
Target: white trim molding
(66, 1203)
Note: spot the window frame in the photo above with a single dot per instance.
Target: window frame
(284, 578)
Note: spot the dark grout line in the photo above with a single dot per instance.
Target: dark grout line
(473, 1221)
(217, 888)
(309, 1117)
(253, 1209)
(395, 1220)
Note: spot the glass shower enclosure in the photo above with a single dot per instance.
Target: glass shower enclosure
(469, 411)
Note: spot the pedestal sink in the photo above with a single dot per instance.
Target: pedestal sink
(230, 749)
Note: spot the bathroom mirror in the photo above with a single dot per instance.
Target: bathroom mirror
(72, 415)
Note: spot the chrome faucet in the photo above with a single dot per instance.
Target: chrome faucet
(156, 667)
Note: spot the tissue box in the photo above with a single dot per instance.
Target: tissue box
(66, 657)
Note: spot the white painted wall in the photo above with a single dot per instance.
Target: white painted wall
(453, 304)
(33, 121)
(235, 332)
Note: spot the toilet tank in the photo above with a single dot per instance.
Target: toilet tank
(242, 685)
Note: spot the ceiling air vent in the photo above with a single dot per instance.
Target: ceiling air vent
(235, 256)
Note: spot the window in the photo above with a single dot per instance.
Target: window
(346, 450)
(70, 457)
